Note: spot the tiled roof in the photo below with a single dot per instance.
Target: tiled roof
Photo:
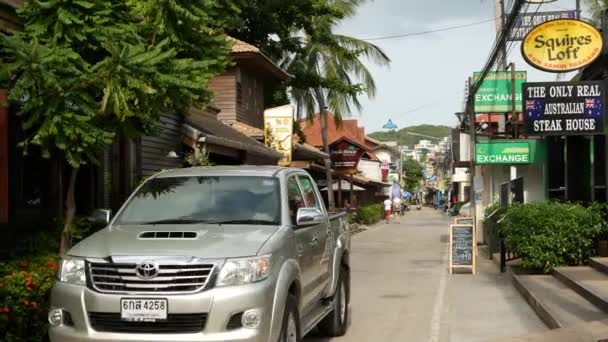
(249, 131)
(239, 46)
(349, 129)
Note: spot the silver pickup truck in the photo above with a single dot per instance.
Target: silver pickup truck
(243, 253)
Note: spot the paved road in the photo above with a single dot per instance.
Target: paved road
(401, 290)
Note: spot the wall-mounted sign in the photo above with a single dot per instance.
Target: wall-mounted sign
(564, 108)
(278, 131)
(525, 22)
(562, 45)
(502, 153)
(494, 94)
(345, 155)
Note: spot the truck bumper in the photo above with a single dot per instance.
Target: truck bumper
(219, 304)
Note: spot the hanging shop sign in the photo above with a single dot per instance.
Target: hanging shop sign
(494, 94)
(345, 155)
(278, 131)
(562, 45)
(564, 108)
(524, 23)
(502, 153)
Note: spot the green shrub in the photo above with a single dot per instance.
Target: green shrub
(24, 296)
(369, 214)
(548, 235)
(25, 285)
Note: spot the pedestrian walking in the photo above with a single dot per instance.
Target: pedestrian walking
(388, 204)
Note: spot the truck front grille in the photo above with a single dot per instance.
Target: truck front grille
(122, 277)
(175, 324)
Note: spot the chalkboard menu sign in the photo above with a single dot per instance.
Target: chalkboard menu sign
(462, 246)
(463, 220)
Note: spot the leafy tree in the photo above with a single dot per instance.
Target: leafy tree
(413, 174)
(328, 69)
(596, 8)
(85, 72)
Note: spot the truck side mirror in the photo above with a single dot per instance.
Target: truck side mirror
(100, 217)
(309, 217)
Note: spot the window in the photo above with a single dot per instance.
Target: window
(308, 190)
(206, 199)
(294, 197)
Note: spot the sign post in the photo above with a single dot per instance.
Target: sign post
(462, 247)
(564, 108)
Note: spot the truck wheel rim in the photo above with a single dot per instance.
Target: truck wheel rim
(342, 303)
(292, 331)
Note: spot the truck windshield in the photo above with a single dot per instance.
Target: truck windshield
(217, 200)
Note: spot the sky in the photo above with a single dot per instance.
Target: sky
(425, 82)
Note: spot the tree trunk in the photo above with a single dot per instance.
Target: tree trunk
(323, 122)
(70, 212)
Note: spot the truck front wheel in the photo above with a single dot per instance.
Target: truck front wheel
(290, 330)
(336, 323)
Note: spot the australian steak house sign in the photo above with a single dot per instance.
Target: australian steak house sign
(561, 45)
(564, 108)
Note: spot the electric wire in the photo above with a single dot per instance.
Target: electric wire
(431, 31)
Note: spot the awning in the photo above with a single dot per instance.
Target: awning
(345, 187)
(200, 127)
(307, 152)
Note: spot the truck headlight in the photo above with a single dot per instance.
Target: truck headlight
(72, 271)
(244, 271)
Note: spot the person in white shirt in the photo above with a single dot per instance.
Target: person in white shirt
(396, 207)
(388, 204)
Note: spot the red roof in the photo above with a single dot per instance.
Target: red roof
(349, 129)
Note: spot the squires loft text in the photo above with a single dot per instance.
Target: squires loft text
(562, 45)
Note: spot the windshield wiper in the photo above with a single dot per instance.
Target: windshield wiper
(175, 221)
(248, 221)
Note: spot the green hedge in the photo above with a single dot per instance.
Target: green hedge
(368, 214)
(548, 235)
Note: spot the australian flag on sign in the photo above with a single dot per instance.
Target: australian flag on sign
(593, 107)
(534, 109)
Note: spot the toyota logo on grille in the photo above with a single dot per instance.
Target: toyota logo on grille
(147, 270)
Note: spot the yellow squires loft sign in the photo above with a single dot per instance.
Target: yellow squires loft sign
(561, 45)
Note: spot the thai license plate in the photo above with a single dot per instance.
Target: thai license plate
(143, 309)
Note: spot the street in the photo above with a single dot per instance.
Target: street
(401, 290)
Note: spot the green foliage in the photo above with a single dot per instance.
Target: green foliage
(328, 68)
(548, 235)
(405, 139)
(198, 158)
(85, 72)
(368, 214)
(24, 293)
(413, 174)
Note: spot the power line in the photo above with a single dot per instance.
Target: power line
(431, 31)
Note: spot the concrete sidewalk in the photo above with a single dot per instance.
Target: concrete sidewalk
(401, 289)
(587, 332)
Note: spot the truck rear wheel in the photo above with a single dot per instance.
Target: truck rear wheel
(290, 330)
(336, 323)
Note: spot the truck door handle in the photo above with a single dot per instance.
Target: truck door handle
(315, 240)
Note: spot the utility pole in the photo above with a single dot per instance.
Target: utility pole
(578, 9)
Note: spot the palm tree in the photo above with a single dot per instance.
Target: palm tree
(330, 73)
(597, 7)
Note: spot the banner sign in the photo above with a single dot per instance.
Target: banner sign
(564, 108)
(494, 94)
(345, 155)
(502, 153)
(525, 22)
(278, 131)
(562, 45)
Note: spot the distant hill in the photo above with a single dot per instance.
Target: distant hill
(411, 140)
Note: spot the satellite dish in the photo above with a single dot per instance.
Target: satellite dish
(390, 125)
